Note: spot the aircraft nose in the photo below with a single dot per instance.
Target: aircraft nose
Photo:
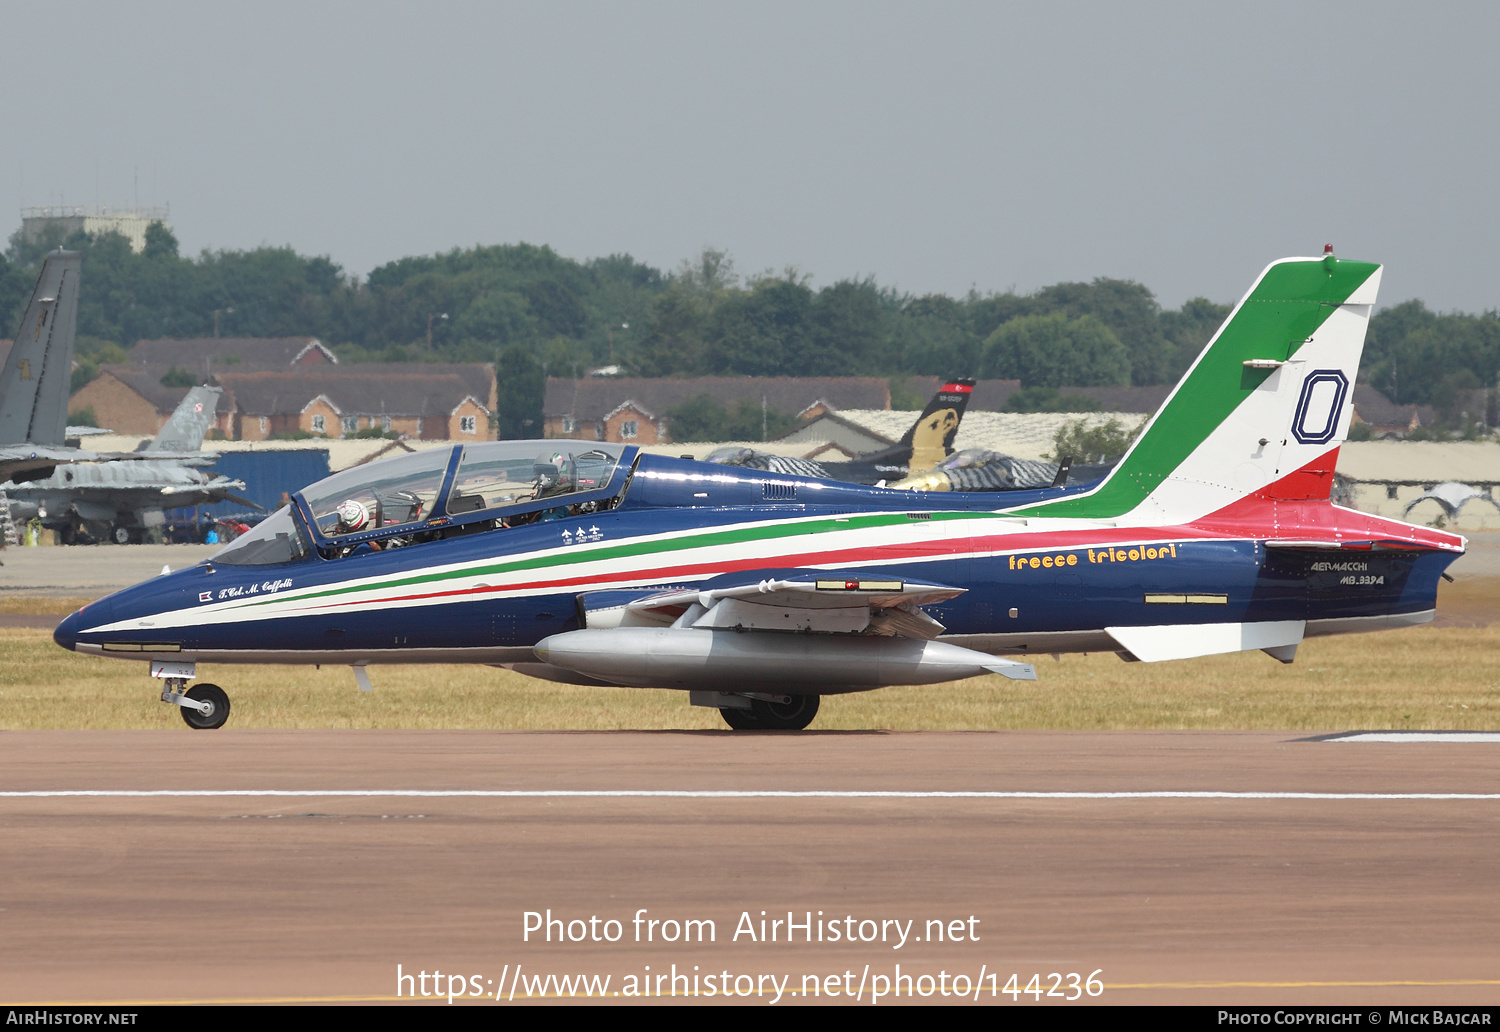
(95, 614)
(66, 633)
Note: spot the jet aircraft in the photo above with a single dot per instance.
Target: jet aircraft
(37, 374)
(924, 459)
(926, 443)
(118, 500)
(757, 593)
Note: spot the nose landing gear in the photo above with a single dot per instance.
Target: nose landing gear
(203, 706)
(212, 709)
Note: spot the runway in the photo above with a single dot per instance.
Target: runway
(1173, 867)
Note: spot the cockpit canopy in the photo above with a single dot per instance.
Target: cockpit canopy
(390, 493)
(507, 473)
(434, 487)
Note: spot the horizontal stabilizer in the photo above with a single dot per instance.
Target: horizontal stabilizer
(186, 458)
(1319, 545)
(1365, 545)
(1186, 641)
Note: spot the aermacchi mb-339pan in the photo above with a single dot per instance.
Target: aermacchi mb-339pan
(757, 593)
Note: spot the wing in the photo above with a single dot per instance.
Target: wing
(837, 602)
(797, 630)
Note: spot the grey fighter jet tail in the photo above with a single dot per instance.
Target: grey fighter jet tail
(34, 384)
(185, 430)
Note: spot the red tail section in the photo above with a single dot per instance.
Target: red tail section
(1297, 507)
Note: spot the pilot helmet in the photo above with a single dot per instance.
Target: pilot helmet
(552, 470)
(353, 515)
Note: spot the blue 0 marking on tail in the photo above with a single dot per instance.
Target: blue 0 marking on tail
(1319, 434)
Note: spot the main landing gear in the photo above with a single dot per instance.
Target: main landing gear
(772, 713)
(203, 706)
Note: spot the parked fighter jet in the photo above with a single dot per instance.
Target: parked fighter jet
(37, 374)
(925, 460)
(757, 593)
(120, 500)
(926, 442)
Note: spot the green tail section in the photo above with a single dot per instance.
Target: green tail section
(1281, 312)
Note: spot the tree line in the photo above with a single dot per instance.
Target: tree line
(538, 313)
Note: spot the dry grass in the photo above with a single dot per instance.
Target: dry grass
(41, 605)
(1427, 678)
(1434, 677)
(1473, 601)
(1424, 677)
(43, 686)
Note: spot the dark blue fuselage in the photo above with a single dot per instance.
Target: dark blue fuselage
(440, 595)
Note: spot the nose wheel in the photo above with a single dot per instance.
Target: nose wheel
(204, 707)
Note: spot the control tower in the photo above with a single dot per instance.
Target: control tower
(130, 223)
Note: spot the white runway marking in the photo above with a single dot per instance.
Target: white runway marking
(1419, 736)
(630, 793)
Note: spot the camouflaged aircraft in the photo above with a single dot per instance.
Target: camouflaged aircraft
(36, 376)
(123, 499)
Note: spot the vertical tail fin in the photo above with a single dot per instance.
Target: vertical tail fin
(189, 422)
(930, 439)
(1268, 396)
(34, 384)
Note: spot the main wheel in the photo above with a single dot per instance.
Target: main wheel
(793, 715)
(740, 719)
(120, 535)
(218, 711)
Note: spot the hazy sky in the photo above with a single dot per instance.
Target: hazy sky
(933, 146)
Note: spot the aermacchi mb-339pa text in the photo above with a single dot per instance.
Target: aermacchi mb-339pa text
(758, 592)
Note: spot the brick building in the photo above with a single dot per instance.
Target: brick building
(634, 410)
(418, 400)
(132, 400)
(422, 401)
